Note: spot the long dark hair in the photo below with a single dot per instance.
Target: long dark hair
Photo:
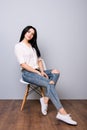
(33, 41)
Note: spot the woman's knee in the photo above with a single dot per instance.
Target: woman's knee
(54, 71)
(51, 82)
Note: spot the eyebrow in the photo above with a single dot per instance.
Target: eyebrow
(30, 31)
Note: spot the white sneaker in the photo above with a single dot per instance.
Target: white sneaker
(66, 118)
(43, 106)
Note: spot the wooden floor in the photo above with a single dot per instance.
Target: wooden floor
(11, 118)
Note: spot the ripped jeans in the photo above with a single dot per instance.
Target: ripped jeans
(41, 81)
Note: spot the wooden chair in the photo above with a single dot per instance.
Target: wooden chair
(30, 88)
(38, 90)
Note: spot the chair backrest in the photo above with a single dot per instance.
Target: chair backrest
(44, 65)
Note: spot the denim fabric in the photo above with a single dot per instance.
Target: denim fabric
(41, 81)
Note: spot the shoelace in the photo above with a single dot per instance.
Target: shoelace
(69, 116)
(45, 107)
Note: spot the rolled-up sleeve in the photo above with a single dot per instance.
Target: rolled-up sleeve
(40, 59)
(19, 52)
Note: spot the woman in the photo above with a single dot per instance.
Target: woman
(29, 57)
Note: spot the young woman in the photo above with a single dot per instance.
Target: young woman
(29, 57)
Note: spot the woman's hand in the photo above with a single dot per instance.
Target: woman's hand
(38, 72)
(44, 74)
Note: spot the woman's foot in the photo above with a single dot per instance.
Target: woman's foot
(66, 118)
(44, 106)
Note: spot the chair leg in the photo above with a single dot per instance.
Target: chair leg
(42, 91)
(25, 96)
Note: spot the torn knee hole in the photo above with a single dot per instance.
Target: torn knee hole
(55, 71)
(51, 82)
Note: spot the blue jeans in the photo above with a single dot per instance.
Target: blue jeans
(41, 81)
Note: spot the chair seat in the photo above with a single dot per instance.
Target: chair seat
(24, 82)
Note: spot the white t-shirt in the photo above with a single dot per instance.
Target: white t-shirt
(26, 55)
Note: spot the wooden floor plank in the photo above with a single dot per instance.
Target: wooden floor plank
(11, 118)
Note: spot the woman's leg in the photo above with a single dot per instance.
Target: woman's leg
(52, 94)
(53, 75)
(42, 81)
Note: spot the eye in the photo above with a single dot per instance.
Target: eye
(29, 31)
(33, 34)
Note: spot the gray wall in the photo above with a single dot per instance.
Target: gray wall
(62, 30)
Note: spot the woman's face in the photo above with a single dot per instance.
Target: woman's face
(29, 35)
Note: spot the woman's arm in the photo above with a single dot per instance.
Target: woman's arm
(29, 68)
(40, 64)
(41, 67)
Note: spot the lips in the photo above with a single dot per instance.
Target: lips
(29, 37)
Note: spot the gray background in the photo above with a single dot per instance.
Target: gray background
(62, 30)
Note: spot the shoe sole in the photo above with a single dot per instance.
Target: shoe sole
(66, 122)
